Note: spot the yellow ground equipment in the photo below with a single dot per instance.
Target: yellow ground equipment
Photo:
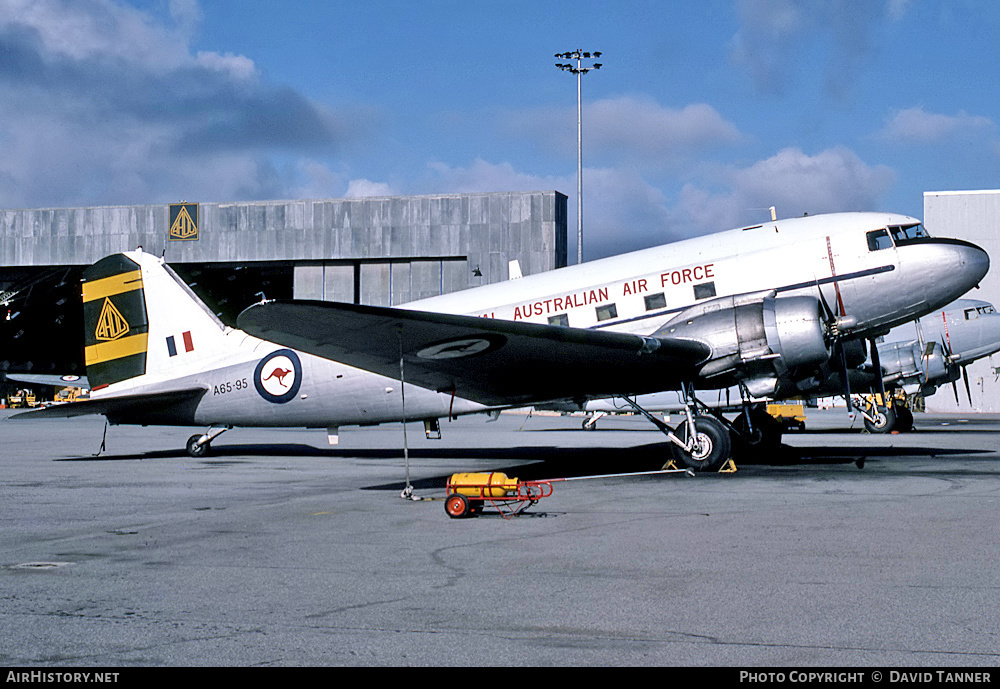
(468, 493)
(21, 399)
(789, 414)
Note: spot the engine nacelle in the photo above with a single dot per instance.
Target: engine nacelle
(755, 336)
(908, 366)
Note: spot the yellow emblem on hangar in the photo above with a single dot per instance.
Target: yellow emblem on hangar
(183, 221)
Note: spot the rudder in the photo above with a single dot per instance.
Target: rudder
(116, 324)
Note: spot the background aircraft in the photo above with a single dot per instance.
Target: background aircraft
(765, 307)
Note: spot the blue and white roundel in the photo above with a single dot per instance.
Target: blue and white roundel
(278, 376)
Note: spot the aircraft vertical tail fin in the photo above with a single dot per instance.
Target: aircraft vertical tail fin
(142, 322)
(116, 324)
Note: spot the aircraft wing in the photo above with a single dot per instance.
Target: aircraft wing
(119, 405)
(493, 362)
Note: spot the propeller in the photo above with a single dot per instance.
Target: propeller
(952, 361)
(834, 327)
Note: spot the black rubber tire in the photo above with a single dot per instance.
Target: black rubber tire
(716, 447)
(904, 419)
(765, 438)
(196, 450)
(885, 421)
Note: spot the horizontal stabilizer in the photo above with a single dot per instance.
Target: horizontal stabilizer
(490, 361)
(116, 406)
(53, 380)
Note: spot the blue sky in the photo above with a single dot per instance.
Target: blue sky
(702, 116)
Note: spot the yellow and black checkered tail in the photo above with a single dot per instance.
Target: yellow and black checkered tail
(116, 327)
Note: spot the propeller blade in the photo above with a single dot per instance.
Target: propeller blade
(954, 388)
(831, 317)
(946, 346)
(877, 365)
(847, 380)
(968, 391)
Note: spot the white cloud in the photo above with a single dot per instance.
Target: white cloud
(363, 187)
(629, 128)
(916, 125)
(792, 181)
(484, 176)
(102, 103)
(623, 211)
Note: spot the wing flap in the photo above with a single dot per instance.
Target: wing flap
(493, 362)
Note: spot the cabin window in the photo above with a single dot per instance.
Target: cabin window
(607, 312)
(879, 239)
(705, 290)
(559, 319)
(655, 301)
(971, 314)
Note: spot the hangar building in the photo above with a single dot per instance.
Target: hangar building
(973, 216)
(373, 250)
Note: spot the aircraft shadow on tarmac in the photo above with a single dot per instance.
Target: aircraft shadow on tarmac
(576, 461)
(534, 463)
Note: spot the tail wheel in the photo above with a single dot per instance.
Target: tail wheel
(883, 420)
(196, 450)
(712, 445)
(457, 506)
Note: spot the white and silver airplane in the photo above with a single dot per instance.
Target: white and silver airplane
(916, 357)
(749, 307)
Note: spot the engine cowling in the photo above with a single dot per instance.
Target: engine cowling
(906, 365)
(756, 338)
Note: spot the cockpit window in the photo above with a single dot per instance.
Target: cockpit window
(879, 239)
(903, 232)
(974, 313)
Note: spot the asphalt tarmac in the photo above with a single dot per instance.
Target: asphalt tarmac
(279, 550)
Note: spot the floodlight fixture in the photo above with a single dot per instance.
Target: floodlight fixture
(579, 70)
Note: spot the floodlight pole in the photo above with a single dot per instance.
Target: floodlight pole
(579, 70)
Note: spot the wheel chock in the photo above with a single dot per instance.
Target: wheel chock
(670, 465)
(729, 467)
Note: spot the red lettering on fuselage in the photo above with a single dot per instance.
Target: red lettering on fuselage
(560, 304)
(635, 286)
(685, 275)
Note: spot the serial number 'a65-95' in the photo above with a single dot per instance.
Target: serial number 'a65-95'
(230, 386)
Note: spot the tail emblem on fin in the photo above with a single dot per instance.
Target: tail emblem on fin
(111, 324)
(116, 324)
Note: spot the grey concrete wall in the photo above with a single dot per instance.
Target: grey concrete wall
(974, 216)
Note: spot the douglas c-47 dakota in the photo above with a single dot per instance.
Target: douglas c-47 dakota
(765, 308)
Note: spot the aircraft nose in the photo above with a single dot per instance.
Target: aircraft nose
(964, 267)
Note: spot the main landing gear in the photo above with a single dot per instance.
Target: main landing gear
(754, 430)
(701, 442)
(885, 418)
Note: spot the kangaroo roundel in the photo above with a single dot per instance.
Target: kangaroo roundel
(278, 376)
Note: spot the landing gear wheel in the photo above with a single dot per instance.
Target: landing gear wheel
(712, 445)
(196, 450)
(457, 506)
(765, 436)
(884, 420)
